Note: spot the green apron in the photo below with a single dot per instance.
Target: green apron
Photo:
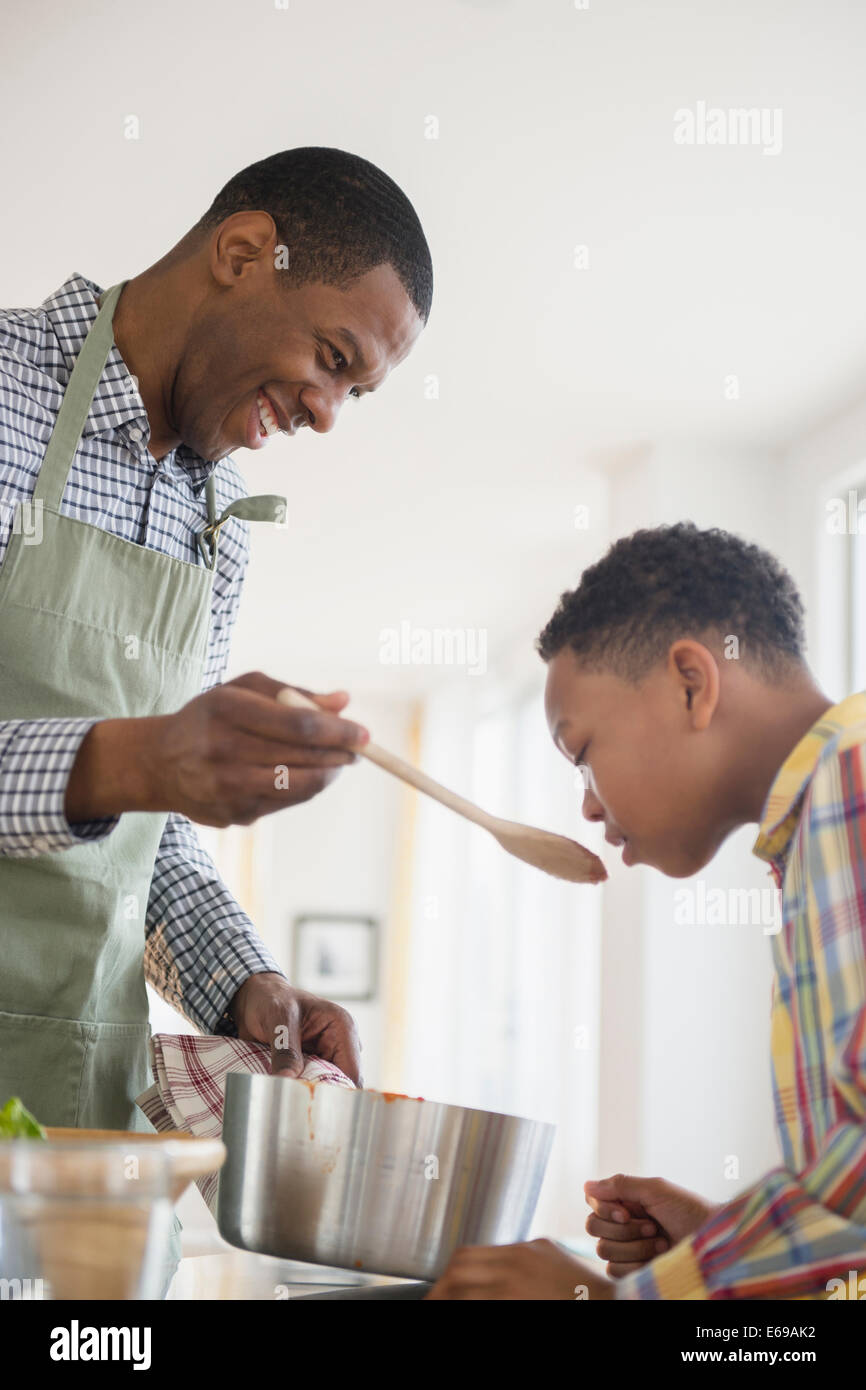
(90, 625)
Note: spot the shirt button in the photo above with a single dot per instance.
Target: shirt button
(135, 434)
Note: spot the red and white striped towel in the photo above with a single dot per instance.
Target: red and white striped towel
(190, 1080)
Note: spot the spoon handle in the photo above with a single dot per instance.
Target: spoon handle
(418, 779)
(405, 771)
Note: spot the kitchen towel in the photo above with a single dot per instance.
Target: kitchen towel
(190, 1079)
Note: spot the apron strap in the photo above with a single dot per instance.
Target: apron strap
(210, 494)
(89, 366)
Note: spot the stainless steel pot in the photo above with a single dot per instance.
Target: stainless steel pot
(363, 1180)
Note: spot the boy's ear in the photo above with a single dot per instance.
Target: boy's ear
(696, 672)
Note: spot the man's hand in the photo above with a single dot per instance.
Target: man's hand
(267, 1009)
(637, 1219)
(535, 1269)
(226, 758)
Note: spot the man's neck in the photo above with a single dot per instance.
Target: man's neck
(148, 331)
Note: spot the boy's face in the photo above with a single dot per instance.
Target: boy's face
(653, 769)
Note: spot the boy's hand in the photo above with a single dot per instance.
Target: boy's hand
(533, 1269)
(637, 1219)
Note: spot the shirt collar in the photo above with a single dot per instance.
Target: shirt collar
(116, 403)
(782, 807)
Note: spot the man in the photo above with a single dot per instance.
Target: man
(307, 281)
(680, 746)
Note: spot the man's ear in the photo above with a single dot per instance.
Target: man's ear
(696, 673)
(240, 242)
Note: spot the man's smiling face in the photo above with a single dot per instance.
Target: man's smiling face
(261, 354)
(648, 777)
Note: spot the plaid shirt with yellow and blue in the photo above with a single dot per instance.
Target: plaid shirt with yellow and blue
(800, 1232)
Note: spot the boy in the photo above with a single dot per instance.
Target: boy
(679, 747)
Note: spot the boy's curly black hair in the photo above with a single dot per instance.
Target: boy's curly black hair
(677, 581)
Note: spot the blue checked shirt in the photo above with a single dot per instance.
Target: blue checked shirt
(200, 946)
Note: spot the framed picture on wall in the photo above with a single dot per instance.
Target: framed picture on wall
(335, 955)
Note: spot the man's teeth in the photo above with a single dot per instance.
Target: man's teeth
(266, 419)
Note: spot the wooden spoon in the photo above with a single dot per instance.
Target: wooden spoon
(555, 854)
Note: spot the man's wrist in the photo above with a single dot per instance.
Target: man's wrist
(254, 975)
(113, 772)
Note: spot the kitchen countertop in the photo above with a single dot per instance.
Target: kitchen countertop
(213, 1269)
(241, 1275)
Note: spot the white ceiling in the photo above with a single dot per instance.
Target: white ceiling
(556, 129)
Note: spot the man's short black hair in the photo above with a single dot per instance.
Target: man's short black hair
(656, 586)
(337, 215)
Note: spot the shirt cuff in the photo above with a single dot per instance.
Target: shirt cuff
(676, 1275)
(222, 987)
(36, 760)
